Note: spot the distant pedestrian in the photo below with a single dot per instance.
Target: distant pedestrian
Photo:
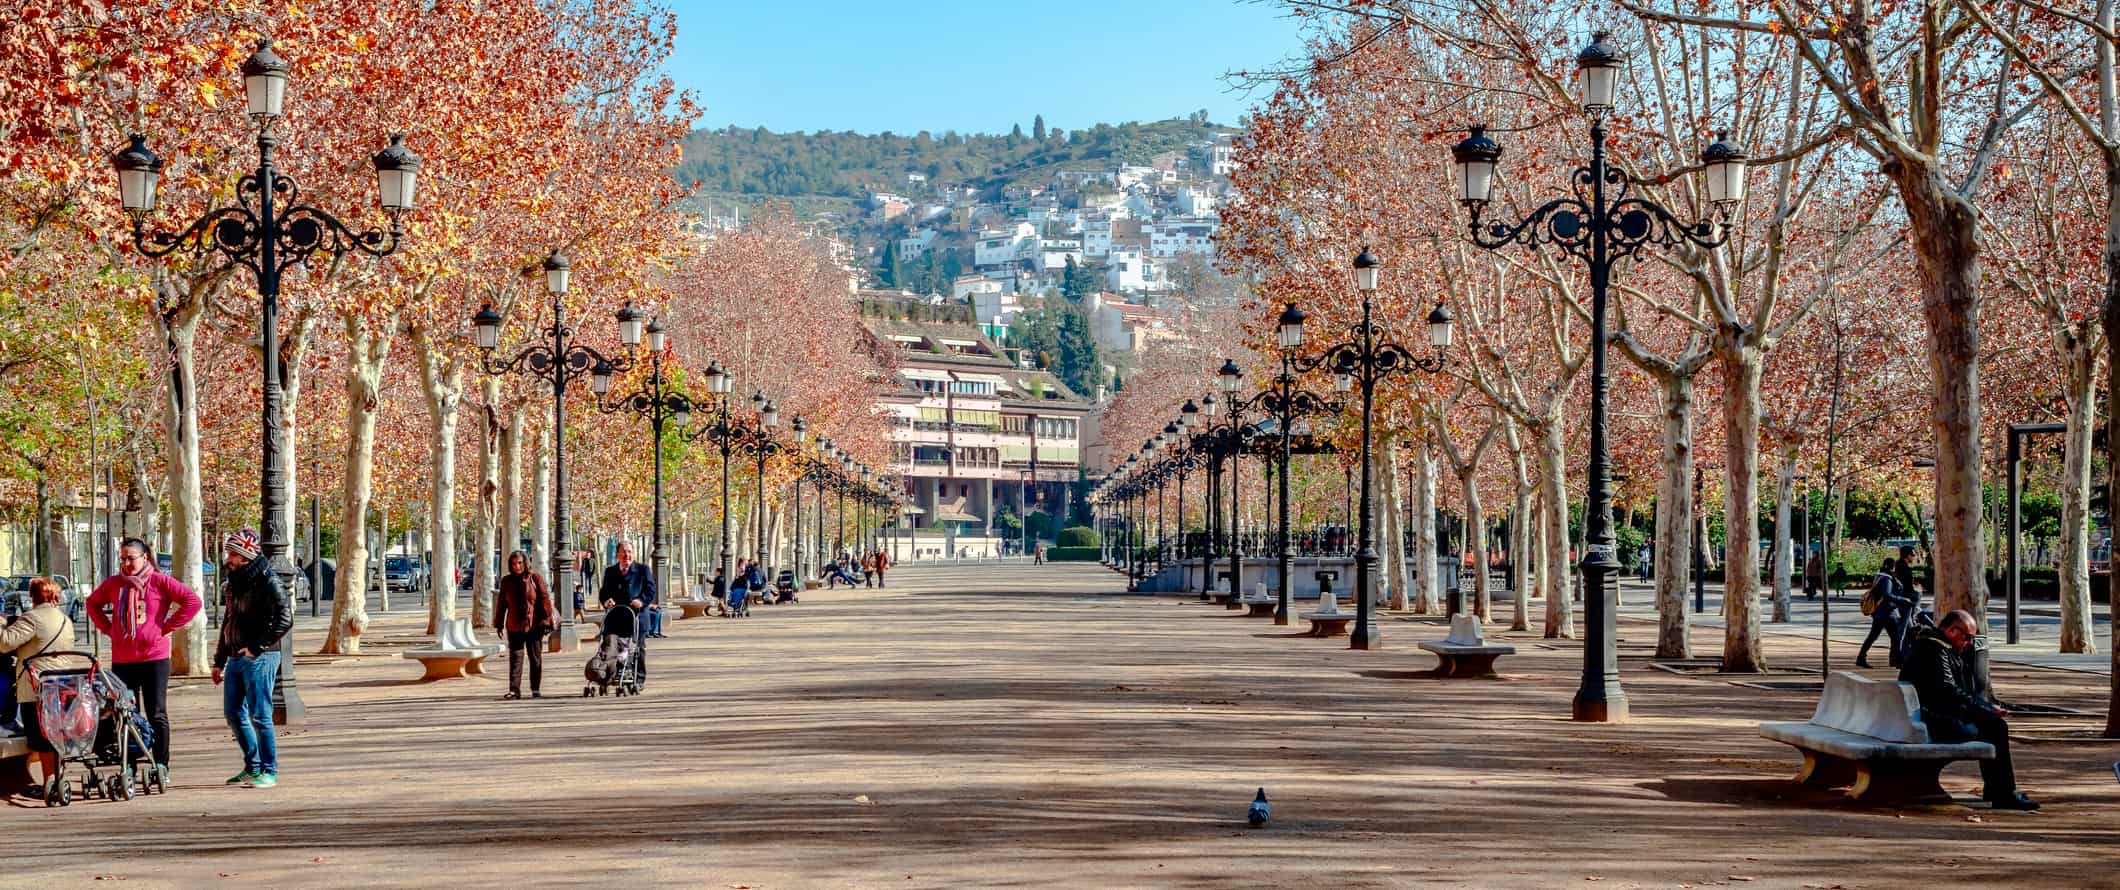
(138, 608)
(1904, 571)
(1814, 574)
(718, 590)
(523, 610)
(1887, 605)
(255, 616)
(883, 561)
(1642, 562)
(1038, 554)
(868, 569)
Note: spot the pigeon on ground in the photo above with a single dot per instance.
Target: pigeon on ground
(1259, 810)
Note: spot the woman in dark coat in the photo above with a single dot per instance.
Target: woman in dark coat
(523, 610)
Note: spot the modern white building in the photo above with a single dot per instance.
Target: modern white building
(1182, 235)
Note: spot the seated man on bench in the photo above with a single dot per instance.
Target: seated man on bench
(1941, 675)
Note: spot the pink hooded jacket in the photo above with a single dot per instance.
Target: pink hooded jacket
(143, 609)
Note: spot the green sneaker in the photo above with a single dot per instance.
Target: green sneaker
(264, 780)
(242, 778)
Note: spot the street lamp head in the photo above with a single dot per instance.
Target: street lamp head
(718, 381)
(1189, 415)
(139, 176)
(769, 415)
(802, 430)
(1366, 268)
(1170, 432)
(1439, 322)
(681, 410)
(600, 378)
(1343, 373)
(656, 338)
(264, 83)
(397, 175)
(1291, 327)
(1230, 376)
(1726, 171)
(1210, 407)
(629, 324)
(556, 272)
(1476, 158)
(487, 323)
(1597, 72)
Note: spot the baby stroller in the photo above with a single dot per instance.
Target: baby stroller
(784, 586)
(739, 604)
(617, 660)
(91, 719)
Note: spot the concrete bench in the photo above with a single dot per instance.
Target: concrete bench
(693, 608)
(1328, 620)
(454, 653)
(1258, 603)
(1868, 734)
(1465, 653)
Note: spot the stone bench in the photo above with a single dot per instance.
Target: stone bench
(1258, 603)
(1868, 734)
(1328, 620)
(454, 653)
(693, 608)
(1465, 653)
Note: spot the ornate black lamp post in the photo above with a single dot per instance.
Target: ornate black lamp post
(802, 446)
(1363, 361)
(1286, 401)
(723, 435)
(1229, 443)
(758, 442)
(1598, 224)
(559, 361)
(657, 401)
(261, 235)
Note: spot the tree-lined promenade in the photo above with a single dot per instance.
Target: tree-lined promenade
(1031, 726)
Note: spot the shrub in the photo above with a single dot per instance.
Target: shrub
(1078, 536)
(1074, 554)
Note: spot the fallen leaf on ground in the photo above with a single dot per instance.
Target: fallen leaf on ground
(864, 800)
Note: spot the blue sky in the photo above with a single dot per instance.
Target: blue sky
(971, 67)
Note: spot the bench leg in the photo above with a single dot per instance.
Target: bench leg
(1900, 782)
(1825, 771)
(475, 665)
(442, 669)
(1466, 667)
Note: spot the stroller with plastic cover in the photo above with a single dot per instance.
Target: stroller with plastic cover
(93, 722)
(617, 661)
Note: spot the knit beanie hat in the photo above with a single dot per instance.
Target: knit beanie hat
(244, 543)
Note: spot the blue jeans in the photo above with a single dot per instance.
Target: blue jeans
(653, 617)
(246, 700)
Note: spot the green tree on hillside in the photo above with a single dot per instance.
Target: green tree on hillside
(1038, 128)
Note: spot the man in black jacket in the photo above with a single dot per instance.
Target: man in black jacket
(1954, 711)
(631, 583)
(255, 615)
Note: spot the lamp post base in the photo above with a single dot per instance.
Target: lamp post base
(566, 637)
(287, 707)
(1609, 709)
(1371, 638)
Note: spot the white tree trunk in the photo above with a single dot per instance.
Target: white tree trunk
(1425, 597)
(366, 351)
(189, 654)
(1475, 536)
(1784, 532)
(2080, 362)
(1674, 520)
(1552, 453)
(1521, 551)
(541, 522)
(510, 537)
(1742, 651)
(442, 385)
(1394, 524)
(485, 529)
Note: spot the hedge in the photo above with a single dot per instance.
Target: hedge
(1074, 554)
(1078, 536)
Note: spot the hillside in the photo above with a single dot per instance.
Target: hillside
(759, 162)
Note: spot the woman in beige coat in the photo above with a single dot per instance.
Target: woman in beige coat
(44, 628)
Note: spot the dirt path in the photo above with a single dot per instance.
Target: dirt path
(999, 727)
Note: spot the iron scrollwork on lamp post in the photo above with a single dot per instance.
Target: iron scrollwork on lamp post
(1599, 223)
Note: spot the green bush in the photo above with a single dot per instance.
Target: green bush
(1091, 553)
(1078, 536)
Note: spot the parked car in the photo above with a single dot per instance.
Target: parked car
(404, 573)
(14, 596)
(465, 568)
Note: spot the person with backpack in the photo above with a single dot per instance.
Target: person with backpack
(523, 610)
(1887, 604)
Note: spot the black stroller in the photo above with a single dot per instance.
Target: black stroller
(620, 655)
(784, 587)
(92, 719)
